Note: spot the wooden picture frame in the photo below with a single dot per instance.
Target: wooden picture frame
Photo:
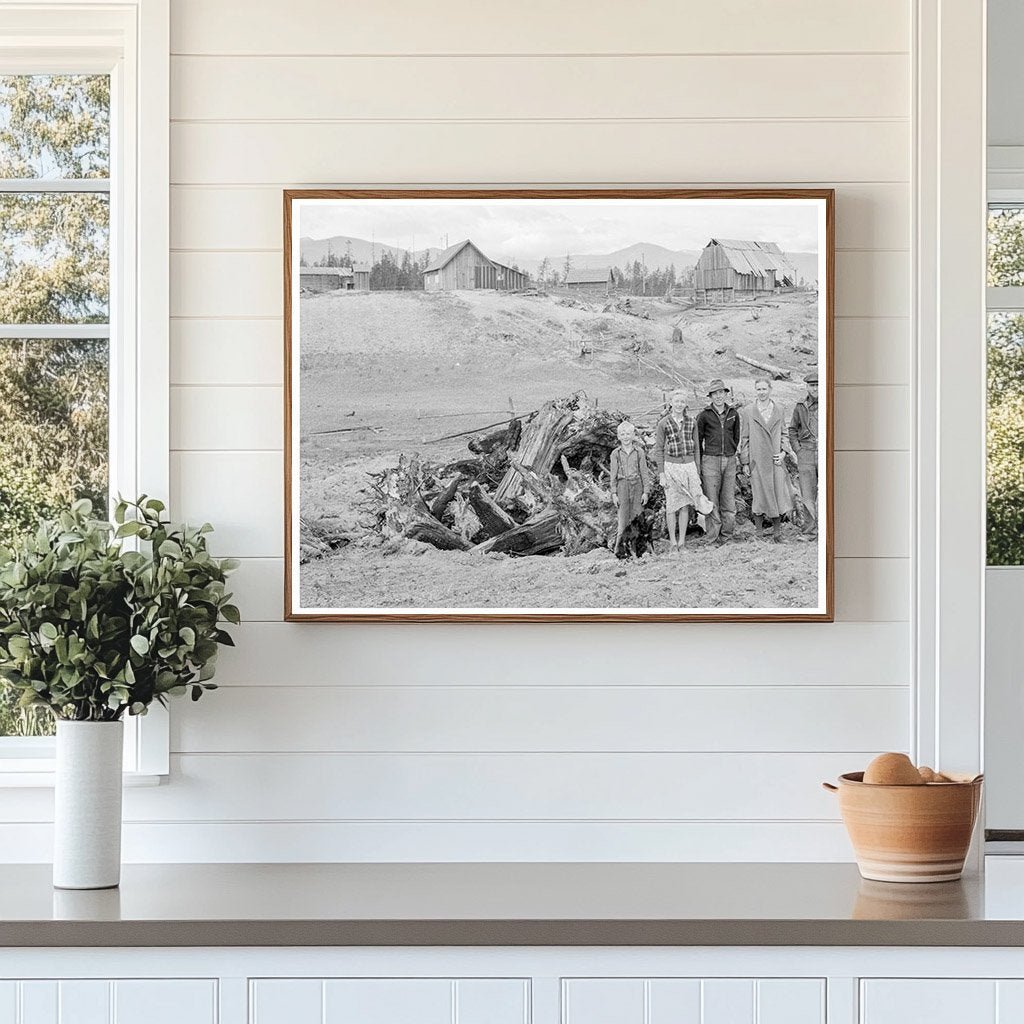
(725, 281)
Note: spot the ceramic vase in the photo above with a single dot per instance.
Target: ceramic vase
(87, 806)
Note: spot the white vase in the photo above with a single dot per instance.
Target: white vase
(87, 806)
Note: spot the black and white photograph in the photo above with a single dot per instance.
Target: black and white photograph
(511, 405)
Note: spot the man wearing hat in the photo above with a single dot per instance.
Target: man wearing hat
(718, 439)
(803, 437)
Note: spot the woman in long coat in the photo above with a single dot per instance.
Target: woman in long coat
(763, 427)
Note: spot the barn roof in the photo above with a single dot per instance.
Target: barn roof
(327, 271)
(449, 254)
(748, 257)
(589, 275)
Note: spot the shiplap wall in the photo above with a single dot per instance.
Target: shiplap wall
(597, 742)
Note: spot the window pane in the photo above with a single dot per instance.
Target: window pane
(1005, 439)
(53, 449)
(1005, 246)
(54, 126)
(54, 258)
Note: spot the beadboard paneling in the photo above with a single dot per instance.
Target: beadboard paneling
(417, 152)
(377, 88)
(406, 27)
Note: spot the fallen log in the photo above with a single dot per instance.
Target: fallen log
(539, 535)
(441, 502)
(423, 526)
(775, 372)
(494, 520)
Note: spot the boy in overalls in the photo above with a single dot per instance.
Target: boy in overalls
(630, 478)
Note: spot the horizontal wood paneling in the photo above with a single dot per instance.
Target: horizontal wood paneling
(242, 719)
(217, 352)
(407, 27)
(464, 842)
(452, 786)
(872, 216)
(867, 589)
(873, 350)
(566, 151)
(242, 493)
(478, 88)
(799, 654)
(208, 418)
(868, 283)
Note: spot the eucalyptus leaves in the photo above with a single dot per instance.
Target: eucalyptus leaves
(92, 630)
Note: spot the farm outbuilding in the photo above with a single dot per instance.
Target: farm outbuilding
(361, 277)
(464, 267)
(598, 280)
(729, 269)
(325, 279)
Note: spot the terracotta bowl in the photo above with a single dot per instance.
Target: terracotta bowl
(909, 833)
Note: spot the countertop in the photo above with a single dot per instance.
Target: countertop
(557, 904)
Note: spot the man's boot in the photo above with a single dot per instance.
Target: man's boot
(758, 525)
(777, 530)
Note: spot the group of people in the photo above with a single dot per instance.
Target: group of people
(699, 458)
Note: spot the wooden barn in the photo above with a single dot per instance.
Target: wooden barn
(729, 269)
(464, 267)
(598, 280)
(361, 277)
(325, 279)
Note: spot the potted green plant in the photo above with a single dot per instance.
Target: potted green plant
(99, 620)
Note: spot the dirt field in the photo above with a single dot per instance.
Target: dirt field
(396, 372)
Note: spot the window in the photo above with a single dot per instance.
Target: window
(54, 308)
(84, 125)
(1005, 499)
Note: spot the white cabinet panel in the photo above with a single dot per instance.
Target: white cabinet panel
(694, 1001)
(164, 1002)
(388, 1001)
(84, 1002)
(8, 1002)
(929, 1001)
(674, 1001)
(791, 1001)
(39, 1003)
(603, 1001)
(727, 1001)
(286, 1001)
(487, 1001)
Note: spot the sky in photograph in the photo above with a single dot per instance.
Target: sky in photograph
(531, 231)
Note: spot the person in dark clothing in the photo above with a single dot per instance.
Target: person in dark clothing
(718, 440)
(803, 438)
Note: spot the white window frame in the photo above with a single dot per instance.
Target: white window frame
(130, 41)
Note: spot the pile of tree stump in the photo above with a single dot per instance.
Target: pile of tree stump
(534, 486)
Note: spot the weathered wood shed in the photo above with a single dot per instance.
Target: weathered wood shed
(361, 277)
(729, 269)
(325, 279)
(598, 280)
(463, 267)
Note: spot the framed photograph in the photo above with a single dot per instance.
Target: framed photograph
(559, 404)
